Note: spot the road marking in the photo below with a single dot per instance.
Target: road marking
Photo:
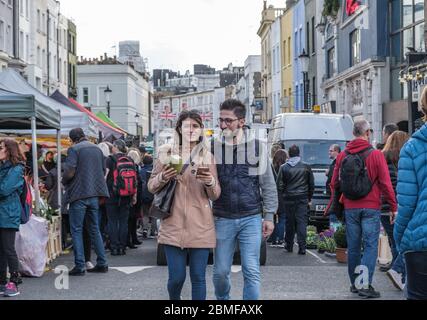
(315, 255)
(130, 270)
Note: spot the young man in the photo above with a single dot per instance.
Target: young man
(84, 182)
(118, 207)
(363, 211)
(295, 185)
(248, 190)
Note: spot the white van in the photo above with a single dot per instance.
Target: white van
(313, 133)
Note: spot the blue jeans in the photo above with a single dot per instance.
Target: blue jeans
(398, 264)
(118, 217)
(279, 229)
(177, 266)
(247, 232)
(363, 225)
(78, 210)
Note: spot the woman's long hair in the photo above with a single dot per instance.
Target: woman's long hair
(13, 151)
(280, 158)
(393, 146)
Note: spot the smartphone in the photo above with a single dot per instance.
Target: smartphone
(202, 171)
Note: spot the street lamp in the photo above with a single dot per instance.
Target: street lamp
(137, 123)
(305, 61)
(107, 93)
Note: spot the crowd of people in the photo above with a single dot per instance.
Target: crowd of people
(227, 193)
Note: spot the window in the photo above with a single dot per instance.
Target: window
(289, 50)
(21, 45)
(313, 36)
(39, 57)
(2, 36)
(419, 44)
(21, 7)
(355, 47)
(43, 28)
(27, 47)
(307, 40)
(314, 102)
(85, 95)
(285, 50)
(39, 22)
(331, 62)
(27, 9)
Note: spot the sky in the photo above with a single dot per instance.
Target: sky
(174, 34)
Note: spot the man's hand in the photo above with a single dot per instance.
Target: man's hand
(267, 229)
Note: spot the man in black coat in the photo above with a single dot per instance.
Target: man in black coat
(296, 185)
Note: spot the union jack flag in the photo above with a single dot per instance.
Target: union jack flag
(208, 116)
(167, 116)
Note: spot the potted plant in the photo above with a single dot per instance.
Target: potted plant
(331, 8)
(341, 242)
(323, 240)
(311, 237)
(331, 247)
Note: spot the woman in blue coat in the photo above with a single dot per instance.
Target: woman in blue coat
(11, 186)
(410, 231)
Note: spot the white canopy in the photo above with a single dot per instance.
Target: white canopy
(70, 119)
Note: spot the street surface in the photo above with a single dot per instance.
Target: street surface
(136, 277)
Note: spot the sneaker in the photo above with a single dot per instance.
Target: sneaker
(274, 244)
(353, 289)
(396, 279)
(385, 268)
(369, 293)
(289, 249)
(11, 290)
(145, 234)
(89, 266)
(98, 269)
(76, 272)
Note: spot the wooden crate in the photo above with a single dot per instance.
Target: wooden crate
(54, 244)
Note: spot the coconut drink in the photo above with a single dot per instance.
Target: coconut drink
(176, 163)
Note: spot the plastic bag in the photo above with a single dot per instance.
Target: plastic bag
(30, 244)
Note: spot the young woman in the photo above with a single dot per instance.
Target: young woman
(391, 152)
(410, 230)
(190, 231)
(279, 159)
(12, 164)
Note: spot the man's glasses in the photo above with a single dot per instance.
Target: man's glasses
(227, 121)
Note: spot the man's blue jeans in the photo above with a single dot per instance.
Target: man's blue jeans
(78, 210)
(247, 232)
(177, 266)
(363, 226)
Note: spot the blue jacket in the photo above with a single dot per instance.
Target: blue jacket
(11, 185)
(410, 231)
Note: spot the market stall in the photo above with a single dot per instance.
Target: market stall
(10, 80)
(24, 112)
(102, 127)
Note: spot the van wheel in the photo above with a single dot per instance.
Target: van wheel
(161, 256)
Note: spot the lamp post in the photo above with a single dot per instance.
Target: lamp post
(137, 124)
(305, 61)
(107, 93)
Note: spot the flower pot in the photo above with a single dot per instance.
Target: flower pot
(321, 251)
(311, 247)
(342, 255)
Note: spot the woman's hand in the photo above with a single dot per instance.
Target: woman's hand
(168, 174)
(205, 177)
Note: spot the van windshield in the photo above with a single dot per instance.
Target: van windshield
(315, 152)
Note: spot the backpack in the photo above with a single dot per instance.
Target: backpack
(26, 200)
(124, 177)
(147, 196)
(354, 179)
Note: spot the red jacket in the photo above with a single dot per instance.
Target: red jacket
(378, 174)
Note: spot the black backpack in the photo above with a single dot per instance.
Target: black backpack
(354, 179)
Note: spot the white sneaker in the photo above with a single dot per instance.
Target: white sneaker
(396, 279)
(89, 265)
